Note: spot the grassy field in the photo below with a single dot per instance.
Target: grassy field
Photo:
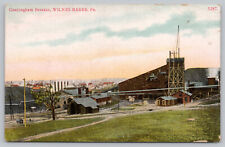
(13, 134)
(166, 126)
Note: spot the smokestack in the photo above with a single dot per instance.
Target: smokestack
(58, 85)
(61, 85)
(178, 42)
(174, 54)
(64, 83)
(51, 85)
(54, 86)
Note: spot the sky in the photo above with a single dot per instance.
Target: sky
(114, 41)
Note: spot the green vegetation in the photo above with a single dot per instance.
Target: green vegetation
(166, 126)
(48, 98)
(208, 102)
(13, 134)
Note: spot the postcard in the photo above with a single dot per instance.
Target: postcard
(112, 73)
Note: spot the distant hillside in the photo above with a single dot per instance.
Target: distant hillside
(17, 94)
(17, 97)
(200, 74)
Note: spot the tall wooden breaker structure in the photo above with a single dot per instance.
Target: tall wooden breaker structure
(175, 69)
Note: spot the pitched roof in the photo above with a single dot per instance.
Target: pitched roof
(86, 102)
(168, 98)
(188, 93)
(71, 91)
(99, 96)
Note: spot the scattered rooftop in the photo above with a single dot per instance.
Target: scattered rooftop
(100, 95)
(168, 98)
(86, 102)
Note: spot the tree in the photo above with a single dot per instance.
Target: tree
(48, 98)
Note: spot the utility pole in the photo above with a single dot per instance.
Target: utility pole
(10, 103)
(25, 123)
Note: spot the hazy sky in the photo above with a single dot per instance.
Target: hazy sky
(115, 41)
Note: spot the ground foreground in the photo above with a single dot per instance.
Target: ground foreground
(17, 133)
(163, 126)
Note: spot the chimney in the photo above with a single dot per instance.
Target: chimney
(58, 85)
(64, 83)
(61, 85)
(54, 86)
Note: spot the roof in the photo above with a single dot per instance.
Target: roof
(99, 96)
(86, 102)
(82, 84)
(188, 93)
(168, 98)
(36, 87)
(71, 91)
(62, 96)
(15, 85)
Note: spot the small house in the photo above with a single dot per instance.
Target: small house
(183, 96)
(102, 98)
(166, 101)
(82, 106)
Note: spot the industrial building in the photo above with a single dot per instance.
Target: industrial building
(169, 77)
(162, 77)
(76, 91)
(169, 81)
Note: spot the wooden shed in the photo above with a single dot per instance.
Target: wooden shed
(166, 101)
(82, 106)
